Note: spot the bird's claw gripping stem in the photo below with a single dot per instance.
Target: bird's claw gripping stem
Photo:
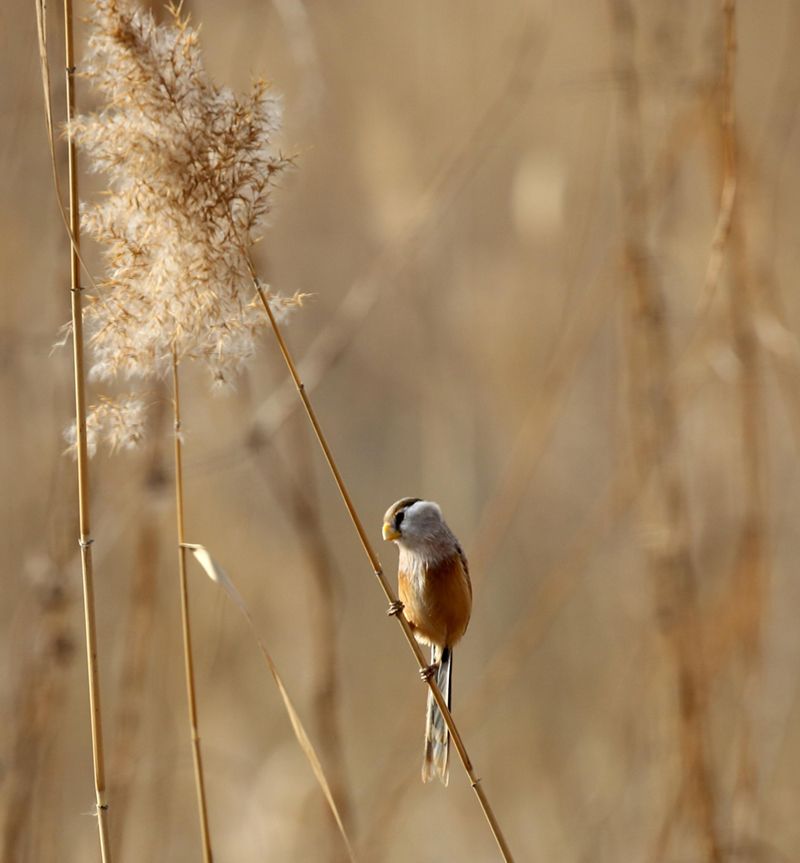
(428, 671)
(395, 608)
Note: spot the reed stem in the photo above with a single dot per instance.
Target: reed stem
(655, 429)
(384, 584)
(751, 566)
(186, 623)
(85, 539)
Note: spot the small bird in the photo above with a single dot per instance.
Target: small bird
(436, 597)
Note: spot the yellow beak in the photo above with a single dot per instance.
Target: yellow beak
(390, 532)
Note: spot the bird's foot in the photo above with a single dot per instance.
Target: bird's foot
(395, 608)
(428, 671)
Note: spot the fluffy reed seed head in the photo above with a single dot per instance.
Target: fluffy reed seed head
(119, 422)
(191, 167)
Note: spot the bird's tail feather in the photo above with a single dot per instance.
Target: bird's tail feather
(437, 737)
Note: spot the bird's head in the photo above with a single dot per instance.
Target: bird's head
(415, 524)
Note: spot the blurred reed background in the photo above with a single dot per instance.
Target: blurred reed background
(551, 251)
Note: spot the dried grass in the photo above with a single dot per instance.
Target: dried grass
(628, 682)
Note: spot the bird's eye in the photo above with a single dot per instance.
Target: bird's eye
(398, 519)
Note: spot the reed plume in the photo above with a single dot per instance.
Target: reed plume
(190, 167)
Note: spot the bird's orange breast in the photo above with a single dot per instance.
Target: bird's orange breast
(438, 600)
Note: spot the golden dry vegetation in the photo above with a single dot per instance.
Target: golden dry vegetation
(551, 251)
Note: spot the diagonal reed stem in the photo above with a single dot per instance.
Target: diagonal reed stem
(84, 517)
(199, 779)
(384, 584)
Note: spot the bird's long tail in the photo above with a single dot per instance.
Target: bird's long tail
(437, 737)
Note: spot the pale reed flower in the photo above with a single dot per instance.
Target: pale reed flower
(119, 422)
(191, 168)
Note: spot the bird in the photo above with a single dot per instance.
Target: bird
(435, 595)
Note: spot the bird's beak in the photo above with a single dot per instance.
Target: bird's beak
(390, 532)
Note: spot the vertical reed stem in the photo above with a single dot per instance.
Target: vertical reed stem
(85, 539)
(187, 629)
(656, 442)
(751, 568)
(384, 584)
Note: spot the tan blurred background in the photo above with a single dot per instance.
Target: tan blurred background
(530, 306)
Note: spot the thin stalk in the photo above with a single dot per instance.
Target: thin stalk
(751, 569)
(85, 538)
(199, 779)
(384, 584)
(298, 488)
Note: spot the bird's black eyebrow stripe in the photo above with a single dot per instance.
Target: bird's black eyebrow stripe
(401, 511)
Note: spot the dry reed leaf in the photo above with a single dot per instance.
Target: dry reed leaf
(217, 574)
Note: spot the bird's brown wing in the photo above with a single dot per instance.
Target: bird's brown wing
(465, 564)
